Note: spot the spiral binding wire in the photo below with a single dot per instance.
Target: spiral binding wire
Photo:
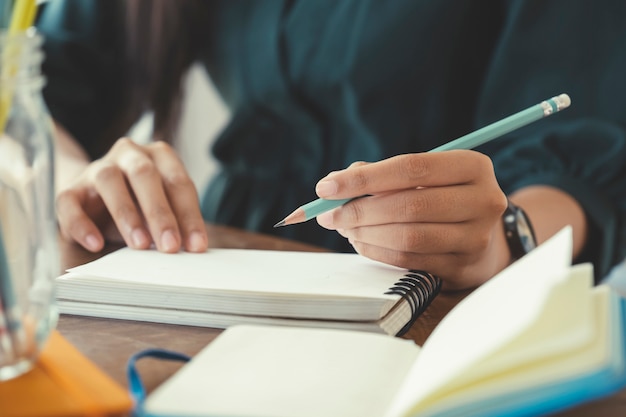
(418, 288)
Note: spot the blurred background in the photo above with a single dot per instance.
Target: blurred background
(203, 116)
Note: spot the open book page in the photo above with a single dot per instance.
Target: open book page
(294, 372)
(490, 318)
(276, 278)
(616, 278)
(564, 323)
(549, 380)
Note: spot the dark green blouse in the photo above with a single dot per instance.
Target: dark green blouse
(315, 85)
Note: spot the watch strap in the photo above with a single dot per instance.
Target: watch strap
(518, 231)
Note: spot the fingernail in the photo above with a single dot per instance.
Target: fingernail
(139, 238)
(92, 242)
(169, 242)
(326, 188)
(197, 242)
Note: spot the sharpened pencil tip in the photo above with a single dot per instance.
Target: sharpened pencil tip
(298, 216)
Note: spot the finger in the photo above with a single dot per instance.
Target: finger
(358, 164)
(433, 205)
(451, 268)
(424, 238)
(182, 195)
(406, 171)
(442, 265)
(144, 179)
(110, 183)
(75, 224)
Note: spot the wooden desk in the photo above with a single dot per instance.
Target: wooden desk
(109, 343)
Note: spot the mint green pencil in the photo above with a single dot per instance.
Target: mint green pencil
(469, 141)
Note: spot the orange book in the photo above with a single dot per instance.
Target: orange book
(63, 383)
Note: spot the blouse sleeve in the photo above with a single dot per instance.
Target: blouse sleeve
(83, 67)
(579, 49)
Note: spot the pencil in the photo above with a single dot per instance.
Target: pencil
(469, 141)
(22, 17)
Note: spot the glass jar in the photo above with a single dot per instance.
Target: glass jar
(29, 259)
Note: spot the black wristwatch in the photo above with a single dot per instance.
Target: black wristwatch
(518, 231)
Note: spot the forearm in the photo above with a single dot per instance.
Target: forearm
(549, 210)
(70, 158)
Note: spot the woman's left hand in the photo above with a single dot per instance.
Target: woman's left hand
(439, 212)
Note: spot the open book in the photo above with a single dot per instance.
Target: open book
(536, 338)
(223, 287)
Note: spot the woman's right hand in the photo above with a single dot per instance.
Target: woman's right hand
(141, 194)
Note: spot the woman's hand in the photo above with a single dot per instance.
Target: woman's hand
(439, 212)
(138, 194)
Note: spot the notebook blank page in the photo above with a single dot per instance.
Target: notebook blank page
(249, 270)
(280, 371)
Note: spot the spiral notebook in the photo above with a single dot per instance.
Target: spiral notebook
(222, 287)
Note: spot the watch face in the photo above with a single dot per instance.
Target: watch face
(526, 235)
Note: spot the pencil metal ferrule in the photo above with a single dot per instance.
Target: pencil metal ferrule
(555, 104)
(549, 107)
